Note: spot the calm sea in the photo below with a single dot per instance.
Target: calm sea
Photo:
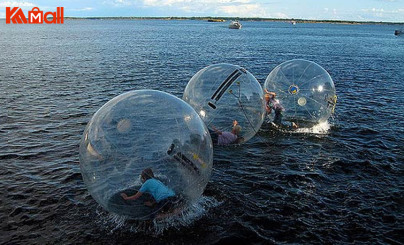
(345, 186)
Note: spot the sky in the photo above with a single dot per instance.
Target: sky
(355, 10)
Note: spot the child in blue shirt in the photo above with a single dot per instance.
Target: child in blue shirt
(163, 197)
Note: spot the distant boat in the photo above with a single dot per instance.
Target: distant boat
(216, 20)
(293, 22)
(235, 25)
(398, 32)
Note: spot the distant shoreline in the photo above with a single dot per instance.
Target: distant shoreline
(343, 22)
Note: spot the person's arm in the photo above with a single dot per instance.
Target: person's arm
(216, 130)
(134, 197)
(270, 93)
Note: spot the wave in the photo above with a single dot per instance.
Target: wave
(22, 156)
(116, 223)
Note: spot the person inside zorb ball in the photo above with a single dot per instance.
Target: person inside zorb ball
(299, 93)
(146, 142)
(229, 100)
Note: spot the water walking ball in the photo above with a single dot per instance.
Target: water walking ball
(224, 93)
(138, 130)
(304, 89)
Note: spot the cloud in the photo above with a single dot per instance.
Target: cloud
(121, 3)
(22, 4)
(381, 11)
(82, 9)
(242, 10)
(378, 14)
(279, 16)
(160, 3)
(190, 3)
(16, 4)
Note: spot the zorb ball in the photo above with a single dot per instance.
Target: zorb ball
(304, 89)
(222, 93)
(138, 130)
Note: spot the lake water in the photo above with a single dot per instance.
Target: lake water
(345, 186)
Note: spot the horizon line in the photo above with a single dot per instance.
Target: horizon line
(235, 18)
